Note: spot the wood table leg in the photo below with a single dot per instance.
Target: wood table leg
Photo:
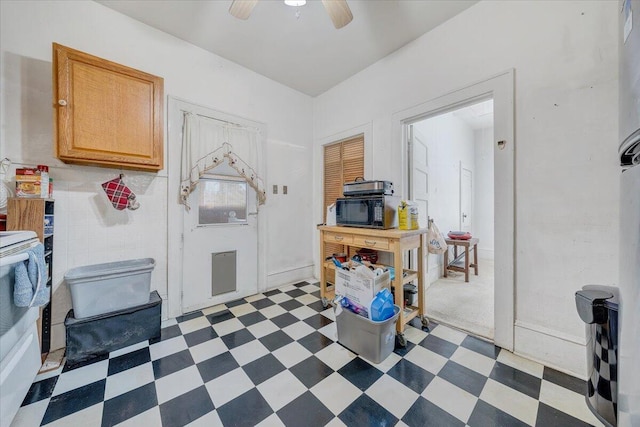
(398, 286)
(475, 258)
(323, 277)
(446, 262)
(466, 263)
(421, 277)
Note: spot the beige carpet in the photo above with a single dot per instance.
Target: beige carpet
(466, 306)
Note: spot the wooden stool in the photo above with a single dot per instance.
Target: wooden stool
(465, 244)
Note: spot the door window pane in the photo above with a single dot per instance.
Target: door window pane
(222, 201)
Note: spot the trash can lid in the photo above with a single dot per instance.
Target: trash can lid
(109, 268)
(594, 296)
(610, 301)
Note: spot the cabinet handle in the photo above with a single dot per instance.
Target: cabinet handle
(370, 242)
(339, 238)
(62, 102)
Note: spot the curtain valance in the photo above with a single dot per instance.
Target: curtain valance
(207, 142)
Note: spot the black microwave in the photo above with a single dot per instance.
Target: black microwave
(367, 211)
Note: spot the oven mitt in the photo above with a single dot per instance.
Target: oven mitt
(120, 195)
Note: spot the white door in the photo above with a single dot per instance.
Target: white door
(419, 186)
(220, 256)
(419, 174)
(466, 199)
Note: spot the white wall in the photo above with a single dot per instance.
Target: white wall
(289, 238)
(87, 230)
(565, 58)
(450, 141)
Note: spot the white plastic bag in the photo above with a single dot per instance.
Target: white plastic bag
(5, 188)
(436, 243)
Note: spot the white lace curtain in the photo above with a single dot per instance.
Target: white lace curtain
(207, 143)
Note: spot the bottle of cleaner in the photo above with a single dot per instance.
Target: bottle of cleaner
(382, 306)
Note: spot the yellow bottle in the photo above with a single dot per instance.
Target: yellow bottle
(403, 216)
(407, 216)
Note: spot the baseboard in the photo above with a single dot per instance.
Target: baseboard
(284, 277)
(485, 253)
(435, 272)
(557, 350)
(165, 307)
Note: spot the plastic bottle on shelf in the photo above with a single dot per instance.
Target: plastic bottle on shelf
(382, 306)
(354, 307)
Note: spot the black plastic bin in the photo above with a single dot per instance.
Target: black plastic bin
(598, 308)
(96, 336)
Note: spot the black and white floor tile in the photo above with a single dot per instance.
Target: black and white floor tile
(272, 360)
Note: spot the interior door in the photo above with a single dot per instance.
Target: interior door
(466, 199)
(419, 182)
(419, 174)
(220, 256)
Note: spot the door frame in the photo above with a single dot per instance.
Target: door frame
(501, 88)
(175, 211)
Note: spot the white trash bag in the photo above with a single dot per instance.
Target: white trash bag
(436, 243)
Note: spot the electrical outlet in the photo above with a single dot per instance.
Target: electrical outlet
(284, 189)
(275, 189)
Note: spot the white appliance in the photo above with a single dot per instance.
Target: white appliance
(19, 346)
(629, 279)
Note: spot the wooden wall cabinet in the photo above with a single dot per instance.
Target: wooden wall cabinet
(106, 114)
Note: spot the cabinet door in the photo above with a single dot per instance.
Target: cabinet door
(106, 114)
(26, 214)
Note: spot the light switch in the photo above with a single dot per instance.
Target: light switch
(275, 189)
(284, 189)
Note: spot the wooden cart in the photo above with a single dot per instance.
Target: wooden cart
(393, 241)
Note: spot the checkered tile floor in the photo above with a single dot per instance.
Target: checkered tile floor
(272, 360)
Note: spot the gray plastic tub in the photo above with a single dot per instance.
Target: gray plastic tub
(372, 340)
(103, 288)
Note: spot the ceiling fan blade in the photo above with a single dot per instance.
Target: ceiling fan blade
(241, 9)
(338, 11)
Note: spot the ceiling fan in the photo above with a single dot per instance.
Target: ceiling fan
(338, 10)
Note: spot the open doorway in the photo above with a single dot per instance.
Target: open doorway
(452, 176)
(500, 89)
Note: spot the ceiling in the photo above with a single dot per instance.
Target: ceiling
(477, 116)
(306, 52)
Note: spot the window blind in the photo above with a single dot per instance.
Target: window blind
(343, 162)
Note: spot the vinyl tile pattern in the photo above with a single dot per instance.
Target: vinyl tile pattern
(276, 362)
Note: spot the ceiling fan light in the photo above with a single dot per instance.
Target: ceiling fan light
(295, 3)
